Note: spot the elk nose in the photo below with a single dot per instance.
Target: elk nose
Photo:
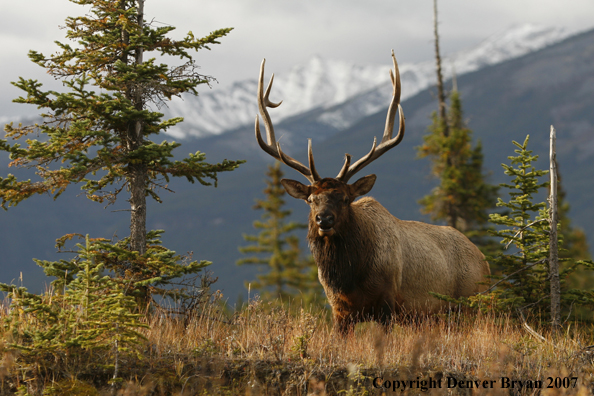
(325, 221)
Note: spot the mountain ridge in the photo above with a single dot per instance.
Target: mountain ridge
(323, 83)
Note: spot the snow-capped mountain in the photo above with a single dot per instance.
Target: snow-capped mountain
(318, 82)
(362, 90)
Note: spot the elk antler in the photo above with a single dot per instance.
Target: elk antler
(273, 147)
(387, 142)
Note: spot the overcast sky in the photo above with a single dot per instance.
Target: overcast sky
(287, 32)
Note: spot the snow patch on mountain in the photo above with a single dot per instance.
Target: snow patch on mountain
(511, 44)
(359, 90)
(319, 82)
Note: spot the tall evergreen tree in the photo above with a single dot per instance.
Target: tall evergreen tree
(462, 197)
(289, 273)
(99, 131)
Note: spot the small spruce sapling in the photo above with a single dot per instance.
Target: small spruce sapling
(277, 250)
(90, 312)
(524, 229)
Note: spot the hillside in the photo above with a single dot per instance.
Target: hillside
(504, 102)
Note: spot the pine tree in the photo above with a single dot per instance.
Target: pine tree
(98, 133)
(158, 274)
(524, 282)
(462, 197)
(92, 311)
(575, 243)
(289, 274)
(574, 247)
(105, 315)
(526, 271)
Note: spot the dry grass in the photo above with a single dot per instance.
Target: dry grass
(265, 350)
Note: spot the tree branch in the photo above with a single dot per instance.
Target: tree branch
(513, 273)
(522, 229)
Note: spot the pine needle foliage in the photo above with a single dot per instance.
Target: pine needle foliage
(526, 228)
(574, 248)
(575, 243)
(463, 197)
(98, 132)
(91, 312)
(289, 274)
(524, 282)
(157, 274)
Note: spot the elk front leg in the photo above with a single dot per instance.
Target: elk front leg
(344, 325)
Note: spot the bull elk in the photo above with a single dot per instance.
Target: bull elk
(371, 264)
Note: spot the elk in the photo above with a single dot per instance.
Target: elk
(371, 264)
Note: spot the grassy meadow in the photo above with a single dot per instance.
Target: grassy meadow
(266, 349)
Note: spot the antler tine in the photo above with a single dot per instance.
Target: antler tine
(357, 166)
(395, 103)
(298, 166)
(263, 102)
(310, 158)
(273, 147)
(345, 167)
(387, 141)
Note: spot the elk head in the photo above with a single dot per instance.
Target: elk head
(329, 198)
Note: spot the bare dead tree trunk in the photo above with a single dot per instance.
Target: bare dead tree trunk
(553, 246)
(138, 172)
(452, 217)
(440, 89)
(454, 79)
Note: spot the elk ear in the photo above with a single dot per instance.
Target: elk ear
(362, 186)
(296, 189)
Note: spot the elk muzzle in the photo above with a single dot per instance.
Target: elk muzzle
(325, 222)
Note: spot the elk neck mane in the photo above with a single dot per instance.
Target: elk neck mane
(345, 258)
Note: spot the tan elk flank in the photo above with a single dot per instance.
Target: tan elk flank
(371, 264)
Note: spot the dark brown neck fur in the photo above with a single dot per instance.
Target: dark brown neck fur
(342, 258)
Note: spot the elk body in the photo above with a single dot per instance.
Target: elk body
(371, 264)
